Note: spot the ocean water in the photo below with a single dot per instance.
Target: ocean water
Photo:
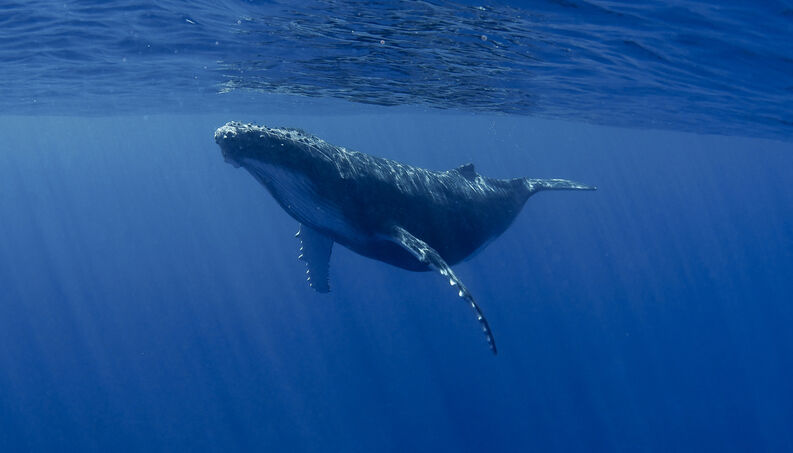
(150, 295)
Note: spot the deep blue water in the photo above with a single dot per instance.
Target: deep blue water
(150, 296)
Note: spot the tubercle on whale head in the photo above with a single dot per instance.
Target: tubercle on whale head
(238, 141)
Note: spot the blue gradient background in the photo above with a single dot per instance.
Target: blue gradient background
(150, 294)
(151, 299)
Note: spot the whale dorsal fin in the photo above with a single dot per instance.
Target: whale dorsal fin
(315, 250)
(427, 255)
(467, 170)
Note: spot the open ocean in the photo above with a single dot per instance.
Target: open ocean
(150, 294)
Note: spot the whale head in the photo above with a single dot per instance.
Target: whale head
(290, 164)
(240, 142)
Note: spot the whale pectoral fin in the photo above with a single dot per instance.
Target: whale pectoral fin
(427, 255)
(315, 250)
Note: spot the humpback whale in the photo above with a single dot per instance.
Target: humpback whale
(410, 217)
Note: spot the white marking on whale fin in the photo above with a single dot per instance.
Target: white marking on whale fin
(467, 171)
(427, 255)
(315, 250)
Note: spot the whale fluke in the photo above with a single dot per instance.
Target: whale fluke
(536, 185)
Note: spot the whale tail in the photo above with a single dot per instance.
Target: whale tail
(536, 185)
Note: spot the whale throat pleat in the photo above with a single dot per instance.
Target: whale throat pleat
(298, 196)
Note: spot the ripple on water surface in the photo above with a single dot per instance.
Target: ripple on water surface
(719, 67)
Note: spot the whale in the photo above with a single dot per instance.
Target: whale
(409, 217)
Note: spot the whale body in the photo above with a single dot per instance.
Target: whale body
(409, 217)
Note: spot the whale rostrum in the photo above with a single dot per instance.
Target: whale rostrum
(410, 217)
